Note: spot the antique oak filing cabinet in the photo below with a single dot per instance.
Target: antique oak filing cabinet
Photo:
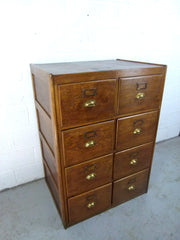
(97, 125)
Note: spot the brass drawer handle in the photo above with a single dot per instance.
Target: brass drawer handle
(90, 143)
(133, 161)
(91, 176)
(90, 103)
(91, 205)
(131, 188)
(140, 95)
(137, 131)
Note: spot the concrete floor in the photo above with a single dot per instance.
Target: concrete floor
(28, 212)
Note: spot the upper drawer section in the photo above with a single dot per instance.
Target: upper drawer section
(83, 103)
(138, 94)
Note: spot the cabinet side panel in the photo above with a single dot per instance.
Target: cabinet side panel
(50, 160)
(49, 145)
(161, 96)
(58, 153)
(51, 185)
(41, 88)
(45, 127)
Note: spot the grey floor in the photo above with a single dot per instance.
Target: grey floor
(28, 212)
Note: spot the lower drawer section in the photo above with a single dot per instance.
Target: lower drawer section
(90, 203)
(130, 187)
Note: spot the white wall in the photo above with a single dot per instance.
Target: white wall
(68, 30)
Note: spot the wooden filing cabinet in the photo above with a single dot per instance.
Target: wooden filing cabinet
(97, 125)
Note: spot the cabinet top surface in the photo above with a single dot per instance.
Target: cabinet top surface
(91, 66)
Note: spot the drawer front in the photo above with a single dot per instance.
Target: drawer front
(130, 187)
(132, 160)
(135, 130)
(89, 175)
(139, 94)
(86, 143)
(83, 103)
(89, 204)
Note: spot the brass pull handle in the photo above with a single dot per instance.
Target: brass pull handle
(90, 143)
(140, 95)
(90, 103)
(91, 205)
(137, 131)
(133, 162)
(91, 176)
(131, 188)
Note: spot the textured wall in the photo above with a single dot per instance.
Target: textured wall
(67, 30)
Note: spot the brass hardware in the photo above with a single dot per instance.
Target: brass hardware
(91, 176)
(90, 168)
(137, 131)
(142, 85)
(91, 205)
(90, 103)
(133, 161)
(138, 123)
(140, 96)
(134, 154)
(90, 143)
(131, 188)
(89, 92)
(90, 134)
(91, 198)
(132, 180)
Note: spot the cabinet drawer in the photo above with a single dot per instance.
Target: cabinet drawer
(135, 130)
(132, 160)
(130, 187)
(83, 103)
(139, 94)
(89, 204)
(88, 142)
(86, 176)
